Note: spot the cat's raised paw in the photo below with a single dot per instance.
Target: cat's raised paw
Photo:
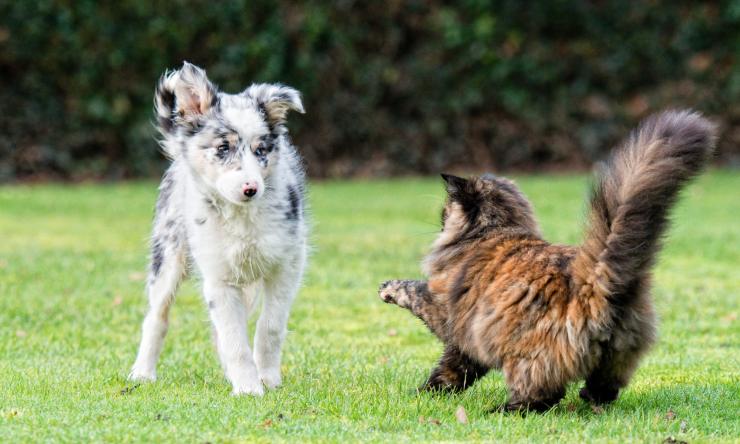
(387, 291)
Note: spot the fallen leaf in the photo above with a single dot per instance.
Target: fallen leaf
(117, 300)
(392, 332)
(571, 407)
(267, 423)
(597, 409)
(730, 317)
(422, 420)
(434, 421)
(670, 416)
(21, 333)
(383, 360)
(12, 413)
(461, 415)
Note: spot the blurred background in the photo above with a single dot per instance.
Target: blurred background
(390, 87)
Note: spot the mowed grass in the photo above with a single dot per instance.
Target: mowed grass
(72, 261)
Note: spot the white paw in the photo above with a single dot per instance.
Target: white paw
(271, 377)
(142, 375)
(252, 388)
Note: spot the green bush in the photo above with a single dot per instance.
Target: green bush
(390, 87)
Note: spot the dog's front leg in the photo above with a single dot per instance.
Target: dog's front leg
(273, 322)
(229, 316)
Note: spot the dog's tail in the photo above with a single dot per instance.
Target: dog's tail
(631, 199)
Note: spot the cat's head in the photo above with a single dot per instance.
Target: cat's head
(477, 205)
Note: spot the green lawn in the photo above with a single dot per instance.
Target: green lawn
(71, 302)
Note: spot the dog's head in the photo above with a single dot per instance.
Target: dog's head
(230, 141)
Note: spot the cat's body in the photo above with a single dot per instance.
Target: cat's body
(499, 296)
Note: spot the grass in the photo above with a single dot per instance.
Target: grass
(71, 302)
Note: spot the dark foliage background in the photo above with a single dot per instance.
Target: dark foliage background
(390, 86)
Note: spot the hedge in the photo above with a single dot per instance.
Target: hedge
(390, 87)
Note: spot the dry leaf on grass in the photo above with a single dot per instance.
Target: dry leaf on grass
(461, 415)
(423, 420)
(670, 416)
(392, 332)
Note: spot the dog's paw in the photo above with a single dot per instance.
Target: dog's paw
(271, 377)
(142, 375)
(251, 388)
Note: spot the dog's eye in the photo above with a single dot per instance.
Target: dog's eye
(223, 149)
(260, 151)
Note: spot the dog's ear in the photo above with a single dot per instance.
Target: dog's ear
(276, 100)
(182, 96)
(194, 93)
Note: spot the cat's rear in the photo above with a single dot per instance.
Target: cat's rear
(630, 202)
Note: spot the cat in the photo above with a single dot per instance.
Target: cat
(499, 296)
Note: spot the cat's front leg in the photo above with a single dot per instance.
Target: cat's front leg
(402, 292)
(415, 296)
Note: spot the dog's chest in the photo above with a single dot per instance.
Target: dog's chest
(252, 247)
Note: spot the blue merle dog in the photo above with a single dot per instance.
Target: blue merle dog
(232, 203)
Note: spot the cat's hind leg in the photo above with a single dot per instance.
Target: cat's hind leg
(531, 387)
(455, 372)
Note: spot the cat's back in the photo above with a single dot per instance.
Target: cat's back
(511, 295)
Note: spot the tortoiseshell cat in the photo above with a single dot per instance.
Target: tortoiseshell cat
(499, 296)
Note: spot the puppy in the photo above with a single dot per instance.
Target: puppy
(232, 202)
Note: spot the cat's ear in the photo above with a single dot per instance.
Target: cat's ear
(454, 184)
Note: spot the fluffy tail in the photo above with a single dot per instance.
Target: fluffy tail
(632, 196)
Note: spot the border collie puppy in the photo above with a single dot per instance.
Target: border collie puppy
(232, 202)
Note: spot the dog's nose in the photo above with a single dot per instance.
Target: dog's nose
(249, 188)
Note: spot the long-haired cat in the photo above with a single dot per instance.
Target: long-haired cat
(499, 296)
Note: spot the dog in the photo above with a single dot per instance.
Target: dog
(232, 202)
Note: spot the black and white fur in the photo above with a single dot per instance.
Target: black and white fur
(232, 200)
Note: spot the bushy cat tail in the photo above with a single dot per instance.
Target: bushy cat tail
(632, 196)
